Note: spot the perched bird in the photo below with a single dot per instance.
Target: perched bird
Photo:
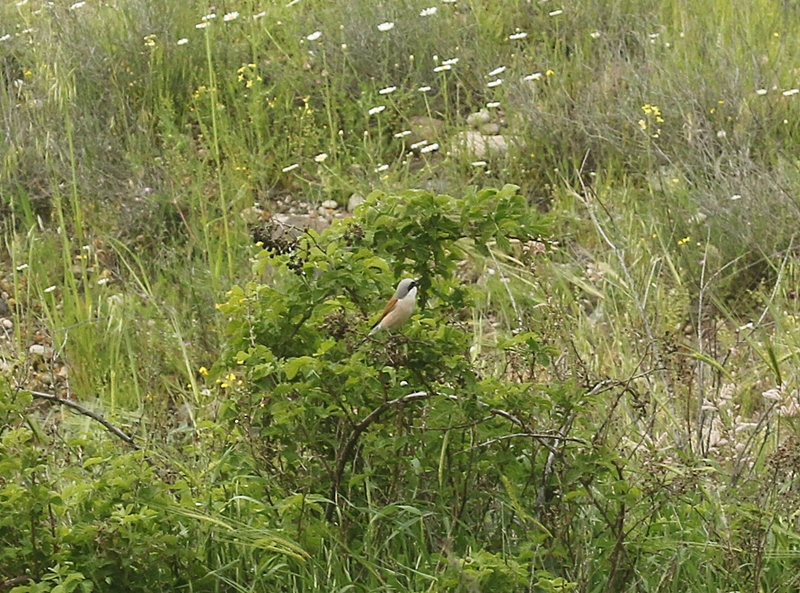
(399, 308)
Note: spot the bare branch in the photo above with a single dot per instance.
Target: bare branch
(86, 412)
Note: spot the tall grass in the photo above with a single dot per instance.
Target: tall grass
(661, 138)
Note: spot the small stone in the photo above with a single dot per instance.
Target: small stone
(478, 147)
(8, 324)
(479, 118)
(330, 204)
(424, 128)
(291, 226)
(354, 202)
(41, 350)
(490, 129)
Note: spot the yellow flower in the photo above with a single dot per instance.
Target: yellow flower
(203, 371)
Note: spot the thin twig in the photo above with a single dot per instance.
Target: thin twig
(352, 440)
(530, 435)
(86, 412)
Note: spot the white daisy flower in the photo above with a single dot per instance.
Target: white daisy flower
(387, 90)
(377, 109)
(387, 26)
(290, 168)
(320, 158)
(497, 71)
(230, 16)
(430, 148)
(520, 35)
(428, 11)
(183, 41)
(494, 83)
(314, 36)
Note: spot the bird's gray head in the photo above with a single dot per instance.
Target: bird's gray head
(406, 285)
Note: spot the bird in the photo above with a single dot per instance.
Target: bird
(399, 308)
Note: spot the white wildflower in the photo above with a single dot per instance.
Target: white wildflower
(403, 134)
(761, 92)
(450, 62)
(290, 168)
(387, 26)
(201, 25)
(493, 104)
(320, 158)
(387, 90)
(497, 71)
(428, 11)
(494, 83)
(259, 15)
(534, 76)
(381, 168)
(230, 16)
(183, 41)
(314, 36)
(520, 35)
(442, 68)
(424, 89)
(430, 148)
(555, 12)
(595, 34)
(377, 109)
(50, 288)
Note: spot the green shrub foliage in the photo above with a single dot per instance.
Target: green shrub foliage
(397, 417)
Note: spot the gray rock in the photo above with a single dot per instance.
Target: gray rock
(425, 128)
(489, 129)
(479, 118)
(478, 146)
(291, 226)
(354, 202)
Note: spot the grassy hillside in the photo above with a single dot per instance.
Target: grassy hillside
(598, 391)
